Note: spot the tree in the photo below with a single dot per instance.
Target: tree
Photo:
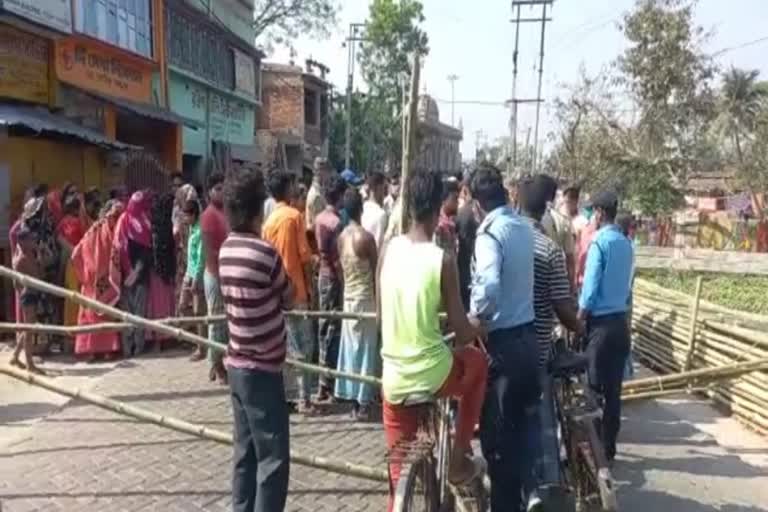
(669, 76)
(369, 144)
(277, 22)
(392, 38)
(741, 104)
(742, 124)
(590, 137)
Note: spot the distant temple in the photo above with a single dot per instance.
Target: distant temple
(439, 149)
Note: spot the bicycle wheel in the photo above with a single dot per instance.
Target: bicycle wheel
(416, 489)
(601, 471)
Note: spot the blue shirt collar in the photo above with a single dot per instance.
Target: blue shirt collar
(494, 214)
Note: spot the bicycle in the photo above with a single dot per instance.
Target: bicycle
(580, 414)
(423, 483)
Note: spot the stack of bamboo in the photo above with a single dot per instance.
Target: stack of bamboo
(720, 351)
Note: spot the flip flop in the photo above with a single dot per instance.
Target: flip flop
(479, 467)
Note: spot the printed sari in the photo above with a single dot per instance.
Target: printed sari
(91, 262)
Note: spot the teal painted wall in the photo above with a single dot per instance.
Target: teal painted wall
(237, 15)
(189, 100)
(211, 114)
(231, 120)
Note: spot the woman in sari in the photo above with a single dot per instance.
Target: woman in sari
(91, 264)
(132, 263)
(29, 194)
(37, 217)
(70, 231)
(162, 285)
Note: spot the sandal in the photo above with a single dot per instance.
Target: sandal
(17, 364)
(474, 466)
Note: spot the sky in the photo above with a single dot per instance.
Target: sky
(474, 39)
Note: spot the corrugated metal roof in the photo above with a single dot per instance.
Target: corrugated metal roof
(142, 109)
(41, 120)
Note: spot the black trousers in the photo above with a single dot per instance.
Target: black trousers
(262, 453)
(329, 329)
(509, 414)
(608, 344)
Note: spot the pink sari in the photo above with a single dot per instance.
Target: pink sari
(91, 261)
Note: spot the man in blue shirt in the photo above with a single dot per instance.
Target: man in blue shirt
(502, 298)
(604, 303)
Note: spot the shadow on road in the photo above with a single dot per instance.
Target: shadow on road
(667, 463)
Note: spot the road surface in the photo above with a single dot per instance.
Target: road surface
(676, 455)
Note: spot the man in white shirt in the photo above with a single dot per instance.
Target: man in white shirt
(394, 193)
(375, 218)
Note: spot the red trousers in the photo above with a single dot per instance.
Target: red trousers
(466, 382)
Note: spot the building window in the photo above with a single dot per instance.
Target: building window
(123, 23)
(311, 108)
(196, 49)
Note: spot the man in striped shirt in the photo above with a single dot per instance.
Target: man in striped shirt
(551, 297)
(256, 290)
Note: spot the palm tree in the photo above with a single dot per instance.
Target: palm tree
(743, 101)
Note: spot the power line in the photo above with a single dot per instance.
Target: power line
(740, 46)
(487, 103)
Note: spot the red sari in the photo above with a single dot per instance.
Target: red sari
(91, 263)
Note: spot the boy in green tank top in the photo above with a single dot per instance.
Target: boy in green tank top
(417, 280)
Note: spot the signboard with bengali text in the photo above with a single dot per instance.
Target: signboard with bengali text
(23, 66)
(102, 70)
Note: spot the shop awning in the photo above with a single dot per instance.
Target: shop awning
(146, 110)
(41, 120)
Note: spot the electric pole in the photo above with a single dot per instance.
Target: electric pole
(355, 35)
(452, 78)
(538, 94)
(515, 101)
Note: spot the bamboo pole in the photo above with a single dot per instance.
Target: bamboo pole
(726, 315)
(650, 395)
(728, 371)
(409, 142)
(152, 325)
(692, 325)
(335, 466)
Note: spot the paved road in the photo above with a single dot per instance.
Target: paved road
(678, 455)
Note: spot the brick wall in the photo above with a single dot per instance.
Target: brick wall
(283, 103)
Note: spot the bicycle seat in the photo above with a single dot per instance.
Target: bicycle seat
(415, 399)
(568, 363)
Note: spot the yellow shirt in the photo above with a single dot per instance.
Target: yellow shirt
(416, 359)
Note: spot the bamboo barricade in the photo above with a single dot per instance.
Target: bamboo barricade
(335, 466)
(66, 330)
(670, 333)
(153, 325)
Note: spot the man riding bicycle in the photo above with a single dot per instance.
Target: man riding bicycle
(416, 280)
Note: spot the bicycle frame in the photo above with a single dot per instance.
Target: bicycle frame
(580, 414)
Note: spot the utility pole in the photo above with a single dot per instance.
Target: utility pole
(515, 101)
(452, 78)
(355, 35)
(538, 94)
(512, 162)
(479, 137)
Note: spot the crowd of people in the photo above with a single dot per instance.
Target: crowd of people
(512, 265)
(504, 264)
(138, 251)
